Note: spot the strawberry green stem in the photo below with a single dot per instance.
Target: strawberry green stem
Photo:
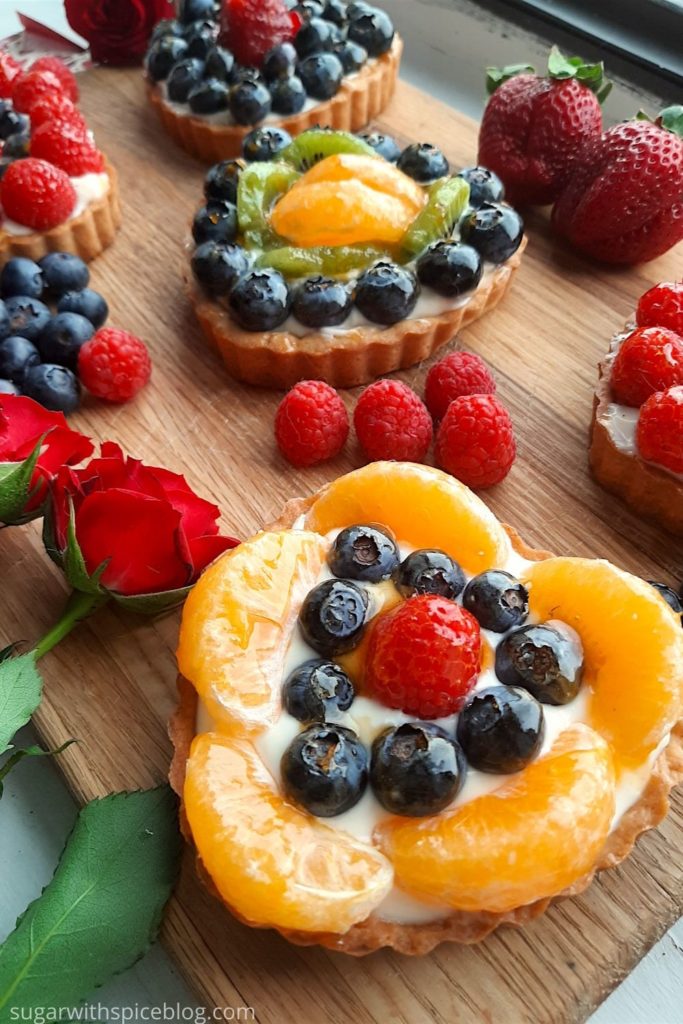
(78, 607)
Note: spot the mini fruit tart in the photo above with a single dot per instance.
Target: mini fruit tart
(416, 727)
(218, 70)
(636, 447)
(340, 257)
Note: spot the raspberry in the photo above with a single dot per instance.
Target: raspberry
(114, 365)
(59, 69)
(475, 441)
(250, 28)
(649, 360)
(9, 69)
(55, 107)
(392, 422)
(423, 656)
(66, 145)
(311, 423)
(662, 306)
(460, 373)
(659, 434)
(31, 86)
(36, 194)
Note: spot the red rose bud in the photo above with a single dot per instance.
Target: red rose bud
(138, 533)
(34, 445)
(118, 31)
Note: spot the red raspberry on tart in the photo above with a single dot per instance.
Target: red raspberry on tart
(662, 306)
(36, 193)
(57, 67)
(66, 145)
(9, 70)
(31, 86)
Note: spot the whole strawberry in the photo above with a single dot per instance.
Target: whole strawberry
(534, 127)
(624, 203)
(250, 28)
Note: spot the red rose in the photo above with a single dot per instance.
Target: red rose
(117, 30)
(144, 524)
(23, 423)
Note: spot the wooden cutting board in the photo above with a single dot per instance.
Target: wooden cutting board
(112, 683)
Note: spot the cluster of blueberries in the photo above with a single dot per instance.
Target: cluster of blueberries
(38, 347)
(261, 299)
(417, 768)
(335, 39)
(15, 135)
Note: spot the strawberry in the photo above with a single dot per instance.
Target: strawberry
(534, 127)
(624, 203)
(250, 28)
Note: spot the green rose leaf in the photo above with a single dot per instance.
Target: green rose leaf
(102, 908)
(19, 755)
(21, 687)
(496, 76)
(152, 604)
(15, 489)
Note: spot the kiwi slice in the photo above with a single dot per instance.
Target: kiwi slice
(260, 184)
(330, 260)
(447, 198)
(317, 143)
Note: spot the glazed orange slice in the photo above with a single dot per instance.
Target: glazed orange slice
(531, 838)
(422, 506)
(273, 864)
(633, 649)
(237, 623)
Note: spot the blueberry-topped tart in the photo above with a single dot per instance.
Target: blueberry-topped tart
(399, 725)
(221, 68)
(342, 257)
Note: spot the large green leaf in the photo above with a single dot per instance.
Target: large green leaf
(21, 687)
(102, 908)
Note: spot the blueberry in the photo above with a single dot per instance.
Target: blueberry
(215, 222)
(54, 387)
(166, 27)
(184, 76)
(64, 272)
(280, 62)
(416, 769)
(321, 74)
(317, 691)
(208, 97)
(495, 230)
(27, 316)
(17, 355)
(321, 302)
(249, 102)
(670, 596)
(217, 266)
(5, 328)
(500, 729)
(21, 277)
(387, 293)
(373, 30)
(8, 388)
(308, 9)
(542, 660)
(336, 12)
(429, 571)
(16, 146)
(260, 300)
(162, 55)
(11, 121)
(193, 10)
(201, 39)
(351, 55)
(383, 145)
(219, 64)
(423, 162)
(450, 268)
(243, 73)
(367, 553)
(497, 600)
(332, 617)
(87, 303)
(264, 143)
(288, 95)
(485, 185)
(61, 339)
(314, 36)
(222, 179)
(325, 770)
(355, 10)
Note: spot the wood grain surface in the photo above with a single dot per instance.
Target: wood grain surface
(112, 683)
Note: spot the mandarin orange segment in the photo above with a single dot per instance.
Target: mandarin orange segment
(373, 171)
(529, 839)
(273, 864)
(237, 622)
(633, 648)
(422, 506)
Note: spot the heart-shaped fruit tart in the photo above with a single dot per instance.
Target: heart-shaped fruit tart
(340, 257)
(399, 726)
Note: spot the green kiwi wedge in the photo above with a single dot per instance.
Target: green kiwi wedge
(259, 186)
(446, 201)
(315, 144)
(330, 260)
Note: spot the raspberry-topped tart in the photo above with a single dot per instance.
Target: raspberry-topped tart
(57, 191)
(399, 729)
(219, 69)
(637, 430)
(342, 257)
